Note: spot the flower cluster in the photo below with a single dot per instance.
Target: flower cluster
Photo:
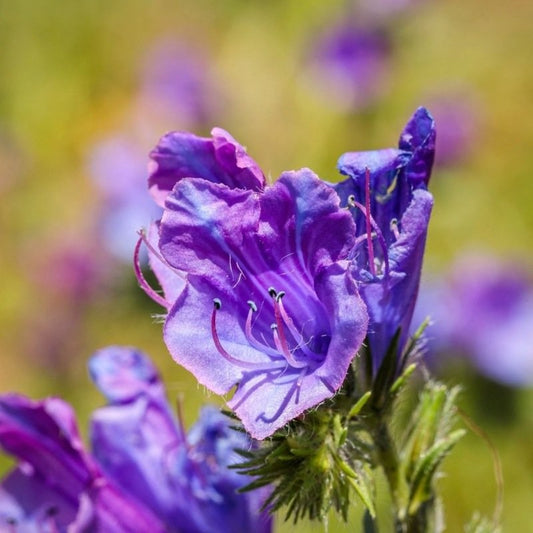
(272, 289)
(145, 472)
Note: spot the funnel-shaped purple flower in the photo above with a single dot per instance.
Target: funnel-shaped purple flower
(145, 473)
(57, 485)
(183, 478)
(386, 191)
(269, 304)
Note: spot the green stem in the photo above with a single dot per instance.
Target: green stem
(390, 462)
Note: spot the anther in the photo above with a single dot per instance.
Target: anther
(394, 228)
(252, 305)
(280, 295)
(217, 304)
(273, 293)
(145, 286)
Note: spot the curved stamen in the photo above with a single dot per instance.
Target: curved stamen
(156, 254)
(289, 322)
(368, 224)
(250, 336)
(217, 304)
(281, 344)
(145, 286)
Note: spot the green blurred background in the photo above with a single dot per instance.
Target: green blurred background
(70, 72)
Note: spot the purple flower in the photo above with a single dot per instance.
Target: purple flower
(57, 485)
(183, 478)
(386, 190)
(483, 311)
(146, 473)
(351, 63)
(269, 305)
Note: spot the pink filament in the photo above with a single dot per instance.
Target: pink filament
(145, 286)
(368, 223)
(226, 355)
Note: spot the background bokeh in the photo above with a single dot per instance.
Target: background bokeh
(87, 88)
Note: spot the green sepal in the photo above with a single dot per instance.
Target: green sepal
(431, 421)
(361, 402)
(422, 480)
(317, 463)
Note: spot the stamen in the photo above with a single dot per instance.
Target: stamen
(288, 321)
(368, 223)
(145, 286)
(217, 304)
(299, 382)
(281, 345)
(250, 336)
(377, 233)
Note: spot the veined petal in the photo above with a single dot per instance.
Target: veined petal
(122, 374)
(391, 305)
(267, 401)
(418, 138)
(220, 159)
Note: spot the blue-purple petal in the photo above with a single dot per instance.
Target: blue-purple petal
(220, 159)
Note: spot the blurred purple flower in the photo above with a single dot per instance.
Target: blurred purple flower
(457, 116)
(351, 63)
(483, 310)
(146, 474)
(176, 81)
(183, 478)
(175, 89)
(57, 485)
(269, 267)
(387, 193)
(118, 167)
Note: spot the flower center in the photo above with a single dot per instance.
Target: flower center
(287, 341)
